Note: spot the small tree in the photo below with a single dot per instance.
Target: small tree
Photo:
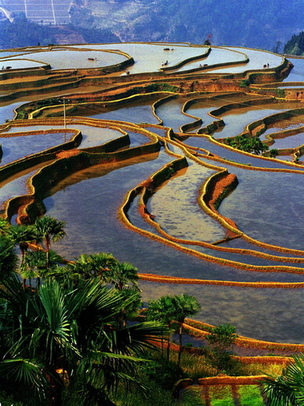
(185, 306)
(49, 229)
(163, 311)
(219, 348)
(22, 235)
(173, 308)
(273, 153)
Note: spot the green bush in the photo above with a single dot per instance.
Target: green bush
(245, 83)
(163, 373)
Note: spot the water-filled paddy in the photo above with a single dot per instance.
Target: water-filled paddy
(133, 112)
(296, 74)
(21, 146)
(275, 216)
(265, 205)
(292, 141)
(8, 64)
(237, 120)
(17, 185)
(7, 112)
(257, 60)
(66, 58)
(176, 210)
(152, 57)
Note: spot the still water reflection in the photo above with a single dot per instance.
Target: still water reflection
(265, 205)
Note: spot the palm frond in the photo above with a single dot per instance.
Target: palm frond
(109, 370)
(288, 388)
(27, 372)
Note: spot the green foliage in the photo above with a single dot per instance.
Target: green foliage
(288, 388)
(250, 395)
(223, 361)
(165, 374)
(17, 398)
(72, 329)
(169, 308)
(8, 258)
(273, 153)
(245, 83)
(222, 337)
(295, 46)
(218, 351)
(153, 396)
(247, 143)
(157, 87)
(88, 265)
(280, 93)
(193, 397)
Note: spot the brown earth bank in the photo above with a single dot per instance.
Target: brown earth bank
(221, 188)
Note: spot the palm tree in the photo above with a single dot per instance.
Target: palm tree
(173, 308)
(22, 236)
(35, 266)
(49, 229)
(288, 388)
(122, 275)
(59, 339)
(185, 306)
(92, 265)
(8, 257)
(162, 310)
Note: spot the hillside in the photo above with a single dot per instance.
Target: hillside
(263, 24)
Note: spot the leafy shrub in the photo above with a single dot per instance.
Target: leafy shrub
(163, 373)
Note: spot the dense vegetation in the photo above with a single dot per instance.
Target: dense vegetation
(65, 331)
(295, 46)
(24, 33)
(69, 339)
(66, 336)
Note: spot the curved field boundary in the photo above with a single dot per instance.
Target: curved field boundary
(24, 163)
(194, 281)
(247, 267)
(48, 176)
(176, 244)
(231, 380)
(200, 329)
(127, 96)
(213, 66)
(233, 231)
(186, 61)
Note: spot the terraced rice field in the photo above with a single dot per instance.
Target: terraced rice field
(160, 187)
